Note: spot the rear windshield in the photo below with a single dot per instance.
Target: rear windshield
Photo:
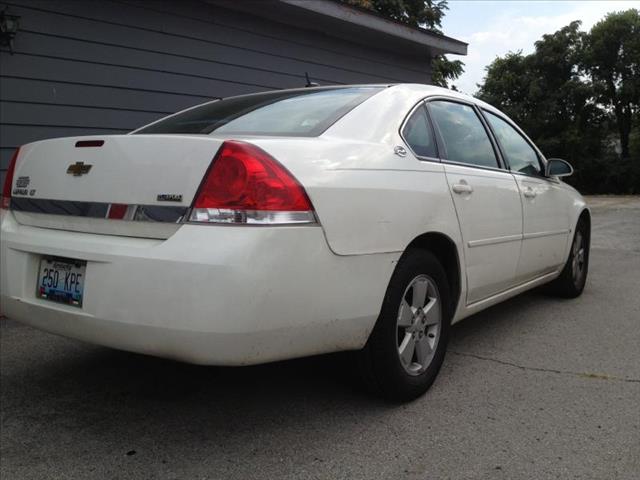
(301, 113)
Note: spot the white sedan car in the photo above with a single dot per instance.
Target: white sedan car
(291, 223)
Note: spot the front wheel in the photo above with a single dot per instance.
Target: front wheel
(573, 278)
(407, 346)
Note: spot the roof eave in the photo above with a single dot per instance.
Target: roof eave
(434, 42)
(352, 24)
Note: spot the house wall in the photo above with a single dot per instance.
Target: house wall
(109, 66)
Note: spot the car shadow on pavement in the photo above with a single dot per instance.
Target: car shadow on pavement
(109, 403)
(96, 374)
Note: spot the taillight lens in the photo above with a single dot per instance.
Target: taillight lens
(8, 181)
(245, 184)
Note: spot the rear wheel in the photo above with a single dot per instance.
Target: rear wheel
(573, 278)
(407, 346)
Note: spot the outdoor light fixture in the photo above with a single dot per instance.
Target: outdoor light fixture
(8, 28)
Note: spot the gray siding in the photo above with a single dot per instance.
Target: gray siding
(109, 66)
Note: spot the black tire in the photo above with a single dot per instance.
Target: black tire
(379, 362)
(573, 278)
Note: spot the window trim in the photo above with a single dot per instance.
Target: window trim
(502, 167)
(421, 158)
(542, 161)
(481, 112)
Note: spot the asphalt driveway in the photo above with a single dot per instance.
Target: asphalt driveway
(535, 388)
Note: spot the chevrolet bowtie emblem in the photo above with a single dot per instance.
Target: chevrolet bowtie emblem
(78, 168)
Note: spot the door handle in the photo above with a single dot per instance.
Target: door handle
(529, 192)
(462, 188)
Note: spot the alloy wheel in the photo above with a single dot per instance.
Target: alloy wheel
(579, 258)
(419, 324)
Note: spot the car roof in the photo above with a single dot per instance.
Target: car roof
(424, 90)
(420, 90)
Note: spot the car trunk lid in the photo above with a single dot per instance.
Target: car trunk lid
(135, 185)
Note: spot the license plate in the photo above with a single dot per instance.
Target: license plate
(61, 280)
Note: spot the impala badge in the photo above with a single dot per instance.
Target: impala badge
(400, 151)
(23, 182)
(79, 168)
(169, 197)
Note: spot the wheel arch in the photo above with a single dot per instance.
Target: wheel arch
(445, 250)
(585, 215)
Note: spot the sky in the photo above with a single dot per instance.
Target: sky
(493, 28)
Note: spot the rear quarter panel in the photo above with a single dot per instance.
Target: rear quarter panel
(368, 199)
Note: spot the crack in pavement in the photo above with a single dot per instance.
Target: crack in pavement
(596, 376)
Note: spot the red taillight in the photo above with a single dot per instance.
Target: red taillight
(247, 185)
(8, 181)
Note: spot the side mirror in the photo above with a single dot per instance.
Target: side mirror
(556, 167)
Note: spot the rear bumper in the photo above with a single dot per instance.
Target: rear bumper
(217, 295)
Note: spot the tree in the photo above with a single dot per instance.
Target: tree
(575, 93)
(444, 70)
(546, 95)
(507, 85)
(427, 14)
(612, 59)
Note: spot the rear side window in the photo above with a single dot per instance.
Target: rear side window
(463, 134)
(520, 155)
(418, 134)
(302, 113)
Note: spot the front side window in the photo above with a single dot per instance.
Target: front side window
(520, 155)
(418, 134)
(301, 113)
(464, 136)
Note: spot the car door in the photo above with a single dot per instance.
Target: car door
(485, 196)
(545, 204)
